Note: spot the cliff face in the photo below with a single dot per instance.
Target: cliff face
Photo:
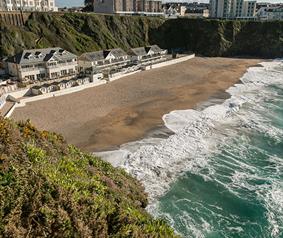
(85, 32)
(50, 189)
(223, 38)
(76, 32)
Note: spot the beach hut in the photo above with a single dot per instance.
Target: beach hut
(82, 81)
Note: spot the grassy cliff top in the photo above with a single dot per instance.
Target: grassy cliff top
(51, 189)
(79, 33)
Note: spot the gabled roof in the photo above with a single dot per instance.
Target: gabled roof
(118, 52)
(41, 55)
(142, 51)
(93, 56)
(154, 48)
(102, 54)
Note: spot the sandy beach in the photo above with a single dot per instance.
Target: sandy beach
(104, 117)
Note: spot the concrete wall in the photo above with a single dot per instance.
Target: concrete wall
(58, 93)
(2, 100)
(14, 18)
(19, 93)
(170, 62)
(9, 113)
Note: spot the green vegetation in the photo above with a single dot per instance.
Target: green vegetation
(76, 32)
(50, 189)
(86, 32)
(223, 37)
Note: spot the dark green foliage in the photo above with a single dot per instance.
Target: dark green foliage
(222, 37)
(86, 32)
(76, 32)
(50, 189)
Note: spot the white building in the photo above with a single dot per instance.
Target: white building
(270, 13)
(43, 64)
(146, 54)
(29, 5)
(233, 9)
(100, 60)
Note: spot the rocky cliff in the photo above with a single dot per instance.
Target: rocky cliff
(85, 32)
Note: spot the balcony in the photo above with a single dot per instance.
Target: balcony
(62, 64)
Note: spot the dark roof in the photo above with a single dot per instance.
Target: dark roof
(142, 51)
(102, 54)
(118, 52)
(41, 55)
(93, 56)
(155, 48)
(46, 85)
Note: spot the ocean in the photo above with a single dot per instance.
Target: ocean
(220, 174)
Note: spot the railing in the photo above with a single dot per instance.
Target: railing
(48, 66)
(63, 64)
(106, 65)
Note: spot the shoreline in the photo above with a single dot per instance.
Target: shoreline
(105, 117)
(117, 155)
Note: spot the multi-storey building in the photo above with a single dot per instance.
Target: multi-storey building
(28, 5)
(233, 9)
(103, 59)
(2, 5)
(43, 64)
(270, 13)
(127, 6)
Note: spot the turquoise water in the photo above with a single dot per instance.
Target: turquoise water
(238, 192)
(220, 174)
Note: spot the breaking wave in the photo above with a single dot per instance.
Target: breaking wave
(214, 145)
(220, 174)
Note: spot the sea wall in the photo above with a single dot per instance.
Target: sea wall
(80, 33)
(170, 62)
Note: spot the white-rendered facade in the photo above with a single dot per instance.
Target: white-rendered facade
(43, 64)
(30, 5)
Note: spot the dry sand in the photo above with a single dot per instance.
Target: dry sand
(104, 117)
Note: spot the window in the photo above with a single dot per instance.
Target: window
(64, 72)
(30, 77)
(54, 75)
(40, 76)
(51, 64)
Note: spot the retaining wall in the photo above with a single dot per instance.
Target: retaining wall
(14, 18)
(170, 62)
(57, 93)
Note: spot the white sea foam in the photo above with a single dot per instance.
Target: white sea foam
(157, 165)
(158, 162)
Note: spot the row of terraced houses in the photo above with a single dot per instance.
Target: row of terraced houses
(56, 63)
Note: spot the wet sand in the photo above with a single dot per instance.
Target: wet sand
(104, 117)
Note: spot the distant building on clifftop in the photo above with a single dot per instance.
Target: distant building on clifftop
(132, 7)
(28, 5)
(233, 9)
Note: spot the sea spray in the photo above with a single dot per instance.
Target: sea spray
(202, 148)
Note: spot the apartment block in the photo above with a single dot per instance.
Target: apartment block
(43, 64)
(127, 6)
(28, 5)
(232, 9)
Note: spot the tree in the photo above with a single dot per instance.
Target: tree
(89, 5)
